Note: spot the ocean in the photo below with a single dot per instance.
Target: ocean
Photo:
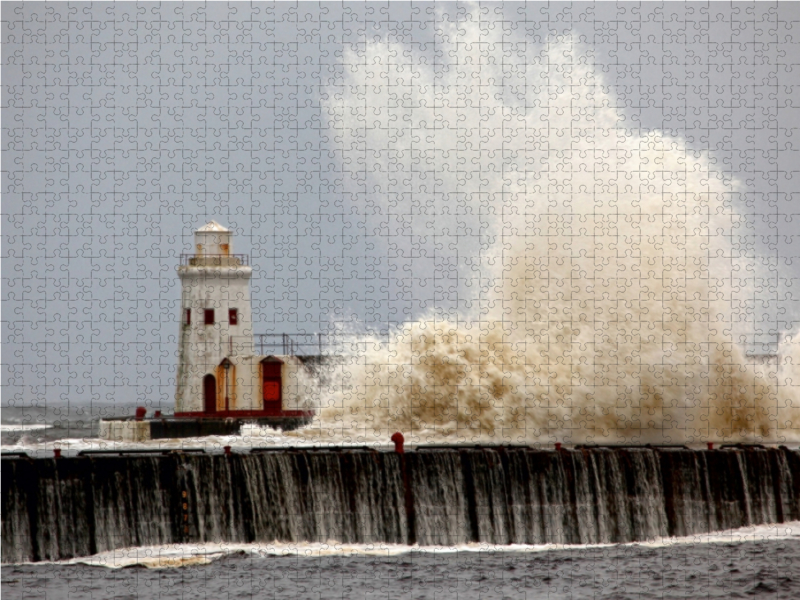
(711, 567)
(752, 562)
(33, 425)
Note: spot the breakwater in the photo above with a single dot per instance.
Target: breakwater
(67, 507)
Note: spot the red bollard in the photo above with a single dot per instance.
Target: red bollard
(398, 440)
(227, 450)
(157, 414)
(56, 452)
(558, 446)
(710, 445)
(141, 411)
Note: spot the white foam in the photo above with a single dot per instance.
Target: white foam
(22, 427)
(252, 436)
(182, 555)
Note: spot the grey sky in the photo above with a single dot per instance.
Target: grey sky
(127, 126)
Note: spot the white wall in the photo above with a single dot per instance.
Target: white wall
(202, 347)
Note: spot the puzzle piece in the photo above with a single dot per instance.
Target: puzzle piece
(555, 242)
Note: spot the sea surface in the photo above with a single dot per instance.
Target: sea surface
(768, 568)
(32, 425)
(761, 562)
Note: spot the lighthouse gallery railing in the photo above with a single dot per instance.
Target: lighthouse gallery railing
(215, 260)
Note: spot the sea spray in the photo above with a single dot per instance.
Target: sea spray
(613, 290)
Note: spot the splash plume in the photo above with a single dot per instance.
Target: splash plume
(614, 294)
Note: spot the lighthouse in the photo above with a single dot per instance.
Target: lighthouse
(216, 328)
(220, 381)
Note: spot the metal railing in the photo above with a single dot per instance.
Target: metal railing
(239, 345)
(313, 344)
(215, 260)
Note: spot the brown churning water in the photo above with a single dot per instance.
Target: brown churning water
(616, 306)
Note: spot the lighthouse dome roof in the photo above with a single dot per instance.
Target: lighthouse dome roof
(213, 226)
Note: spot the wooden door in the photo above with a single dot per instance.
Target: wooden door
(210, 394)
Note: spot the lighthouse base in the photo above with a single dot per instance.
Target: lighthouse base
(128, 429)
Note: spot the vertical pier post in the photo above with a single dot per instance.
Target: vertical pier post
(405, 468)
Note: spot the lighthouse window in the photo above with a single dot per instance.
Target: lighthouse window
(188, 316)
(209, 316)
(233, 316)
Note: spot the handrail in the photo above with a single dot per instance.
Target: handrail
(14, 455)
(311, 344)
(162, 451)
(260, 449)
(215, 260)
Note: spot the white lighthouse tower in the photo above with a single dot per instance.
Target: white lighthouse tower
(216, 329)
(221, 382)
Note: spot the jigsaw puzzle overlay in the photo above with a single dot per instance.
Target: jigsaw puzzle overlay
(502, 224)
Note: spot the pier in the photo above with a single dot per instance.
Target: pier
(60, 508)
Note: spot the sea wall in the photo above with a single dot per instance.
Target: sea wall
(67, 507)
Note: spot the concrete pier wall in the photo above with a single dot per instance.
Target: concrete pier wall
(67, 507)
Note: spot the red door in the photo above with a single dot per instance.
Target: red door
(210, 394)
(271, 386)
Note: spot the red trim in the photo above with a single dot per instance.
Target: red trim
(245, 414)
